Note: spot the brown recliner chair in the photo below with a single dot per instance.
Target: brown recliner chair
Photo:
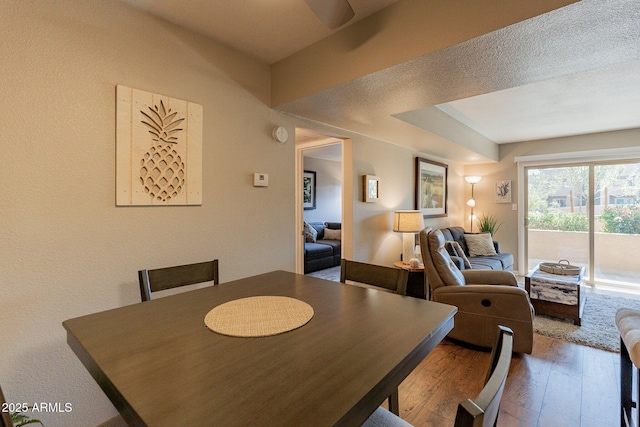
(485, 298)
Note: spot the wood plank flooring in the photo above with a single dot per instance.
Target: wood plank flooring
(559, 385)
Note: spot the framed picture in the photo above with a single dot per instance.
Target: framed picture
(503, 191)
(431, 188)
(309, 190)
(371, 188)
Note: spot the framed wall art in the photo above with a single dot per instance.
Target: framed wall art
(431, 188)
(309, 190)
(371, 188)
(503, 191)
(158, 149)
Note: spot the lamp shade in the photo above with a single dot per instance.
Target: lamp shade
(473, 179)
(408, 221)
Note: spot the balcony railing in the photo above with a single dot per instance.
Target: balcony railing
(616, 255)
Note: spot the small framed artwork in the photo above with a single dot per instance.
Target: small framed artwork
(431, 188)
(371, 187)
(309, 190)
(503, 191)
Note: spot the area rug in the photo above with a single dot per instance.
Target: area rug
(598, 327)
(332, 273)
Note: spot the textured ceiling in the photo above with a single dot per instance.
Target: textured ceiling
(571, 71)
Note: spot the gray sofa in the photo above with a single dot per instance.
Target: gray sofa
(323, 253)
(500, 261)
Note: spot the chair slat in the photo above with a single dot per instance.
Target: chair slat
(481, 412)
(393, 279)
(172, 277)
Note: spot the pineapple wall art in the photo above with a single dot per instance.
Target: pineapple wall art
(158, 150)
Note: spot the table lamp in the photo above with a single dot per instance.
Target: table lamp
(408, 223)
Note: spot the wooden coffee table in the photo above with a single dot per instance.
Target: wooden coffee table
(556, 295)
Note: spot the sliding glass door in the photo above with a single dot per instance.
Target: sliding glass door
(558, 215)
(617, 225)
(588, 214)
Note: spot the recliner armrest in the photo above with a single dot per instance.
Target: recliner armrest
(489, 277)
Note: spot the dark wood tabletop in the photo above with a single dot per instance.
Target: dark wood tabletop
(160, 365)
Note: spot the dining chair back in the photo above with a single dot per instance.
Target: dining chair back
(483, 410)
(377, 276)
(172, 277)
(389, 278)
(5, 417)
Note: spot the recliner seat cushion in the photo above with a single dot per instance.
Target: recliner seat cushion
(495, 262)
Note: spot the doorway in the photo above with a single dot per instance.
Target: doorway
(327, 159)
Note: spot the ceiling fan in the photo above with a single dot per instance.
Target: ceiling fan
(332, 13)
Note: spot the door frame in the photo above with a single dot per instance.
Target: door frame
(588, 158)
(347, 197)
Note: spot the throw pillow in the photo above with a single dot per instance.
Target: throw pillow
(310, 233)
(480, 244)
(448, 245)
(459, 252)
(330, 234)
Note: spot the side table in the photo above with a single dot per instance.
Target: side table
(415, 284)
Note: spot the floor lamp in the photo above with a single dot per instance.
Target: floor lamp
(408, 223)
(473, 180)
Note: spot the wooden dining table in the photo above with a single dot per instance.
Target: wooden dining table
(161, 366)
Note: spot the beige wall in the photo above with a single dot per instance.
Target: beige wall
(506, 168)
(328, 190)
(67, 250)
(374, 239)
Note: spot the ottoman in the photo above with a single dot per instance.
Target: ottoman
(556, 294)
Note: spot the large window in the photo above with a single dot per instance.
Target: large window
(588, 214)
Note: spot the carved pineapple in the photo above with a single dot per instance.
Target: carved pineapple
(162, 169)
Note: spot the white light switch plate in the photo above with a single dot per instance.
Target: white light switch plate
(260, 180)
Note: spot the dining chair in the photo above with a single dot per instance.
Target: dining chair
(172, 277)
(483, 410)
(389, 278)
(377, 276)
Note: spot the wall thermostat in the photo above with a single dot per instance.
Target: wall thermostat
(260, 180)
(280, 135)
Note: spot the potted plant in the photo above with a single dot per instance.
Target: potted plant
(19, 419)
(488, 223)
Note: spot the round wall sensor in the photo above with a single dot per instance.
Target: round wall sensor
(280, 135)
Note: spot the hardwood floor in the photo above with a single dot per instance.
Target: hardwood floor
(559, 385)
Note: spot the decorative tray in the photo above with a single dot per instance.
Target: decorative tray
(561, 267)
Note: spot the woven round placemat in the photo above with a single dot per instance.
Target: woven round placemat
(260, 316)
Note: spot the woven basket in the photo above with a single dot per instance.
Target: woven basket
(560, 268)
